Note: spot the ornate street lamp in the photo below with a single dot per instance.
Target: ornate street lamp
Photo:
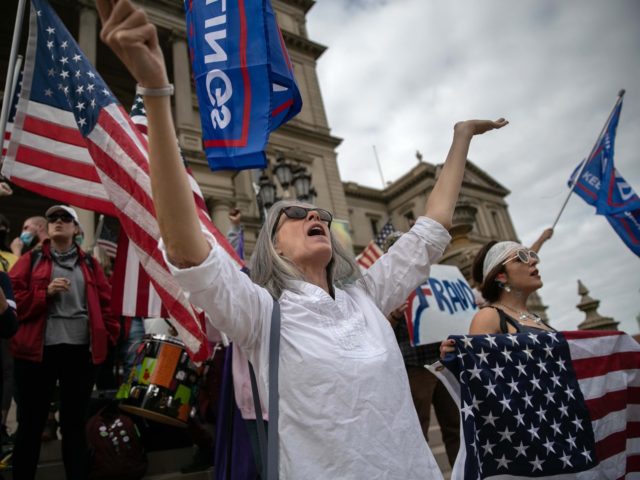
(313, 195)
(302, 183)
(283, 171)
(266, 192)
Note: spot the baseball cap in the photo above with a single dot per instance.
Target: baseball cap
(64, 208)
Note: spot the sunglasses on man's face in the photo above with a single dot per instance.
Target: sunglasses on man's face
(66, 218)
(298, 213)
(524, 256)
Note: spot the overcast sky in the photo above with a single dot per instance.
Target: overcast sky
(400, 73)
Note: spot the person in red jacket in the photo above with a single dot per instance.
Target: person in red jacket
(65, 328)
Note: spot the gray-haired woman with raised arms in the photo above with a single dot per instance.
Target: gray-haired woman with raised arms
(345, 407)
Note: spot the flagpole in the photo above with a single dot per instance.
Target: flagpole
(14, 84)
(375, 153)
(13, 60)
(584, 164)
(98, 231)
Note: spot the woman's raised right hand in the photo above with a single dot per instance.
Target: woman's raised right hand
(128, 32)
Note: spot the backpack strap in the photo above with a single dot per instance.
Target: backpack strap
(269, 448)
(36, 255)
(88, 259)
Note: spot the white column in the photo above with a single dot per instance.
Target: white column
(220, 215)
(182, 81)
(87, 39)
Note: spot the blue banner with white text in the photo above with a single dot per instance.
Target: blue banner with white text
(627, 226)
(243, 76)
(602, 186)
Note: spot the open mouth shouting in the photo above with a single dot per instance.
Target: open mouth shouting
(316, 229)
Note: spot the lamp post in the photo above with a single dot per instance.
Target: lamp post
(288, 176)
(267, 191)
(283, 171)
(302, 184)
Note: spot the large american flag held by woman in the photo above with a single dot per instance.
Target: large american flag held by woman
(551, 405)
(73, 142)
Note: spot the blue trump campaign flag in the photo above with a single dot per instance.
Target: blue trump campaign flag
(553, 405)
(244, 79)
(601, 185)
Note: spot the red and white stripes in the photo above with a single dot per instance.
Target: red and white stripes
(369, 255)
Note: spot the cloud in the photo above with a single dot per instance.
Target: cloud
(398, 74)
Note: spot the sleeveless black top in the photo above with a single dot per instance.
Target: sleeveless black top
(506, 320)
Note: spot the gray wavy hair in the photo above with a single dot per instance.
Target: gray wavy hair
(277, 273)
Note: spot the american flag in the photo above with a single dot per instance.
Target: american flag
(107, 241)
(73, 142)
(133, 293)
(373, 251)
(549, 405)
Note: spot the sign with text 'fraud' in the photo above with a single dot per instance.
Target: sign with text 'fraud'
(444, 305)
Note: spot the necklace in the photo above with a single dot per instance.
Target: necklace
(523, 315)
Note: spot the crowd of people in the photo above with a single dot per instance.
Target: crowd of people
(354, 397)
(59, 296)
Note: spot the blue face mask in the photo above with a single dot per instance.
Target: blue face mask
(78, 239)
(26, 237)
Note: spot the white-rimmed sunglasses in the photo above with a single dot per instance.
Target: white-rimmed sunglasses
(524, 256)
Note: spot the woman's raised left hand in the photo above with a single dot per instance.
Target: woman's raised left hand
(478, 127)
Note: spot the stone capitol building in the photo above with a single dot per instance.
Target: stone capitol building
(306, 142)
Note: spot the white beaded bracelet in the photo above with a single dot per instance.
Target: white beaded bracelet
(155, 92)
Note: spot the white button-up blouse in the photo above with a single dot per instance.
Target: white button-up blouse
(345, 406)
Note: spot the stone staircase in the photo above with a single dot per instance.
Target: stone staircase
(163, 464)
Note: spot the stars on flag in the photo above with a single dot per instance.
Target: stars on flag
(521, 450)
(519, 405)
(78, 85)
(549, 396)
(490, 419)
(503, 462)
(505, 404)
(507, 354)
(566, 460)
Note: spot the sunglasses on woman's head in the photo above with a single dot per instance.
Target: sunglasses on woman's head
(524, 256)
(66, 218)
(298, 213)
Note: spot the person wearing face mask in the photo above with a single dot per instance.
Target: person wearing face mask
(7, 258)
(65, 330)
(34, 232)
